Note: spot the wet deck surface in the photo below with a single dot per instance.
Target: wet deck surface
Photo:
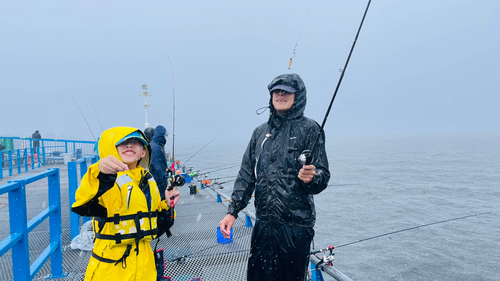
(192, 251)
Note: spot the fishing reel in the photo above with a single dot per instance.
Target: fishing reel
(327, 258)
(305, 157)
(176, 180)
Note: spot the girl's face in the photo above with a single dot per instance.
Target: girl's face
(131, 151)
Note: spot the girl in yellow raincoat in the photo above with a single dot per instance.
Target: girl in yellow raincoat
(122, 196)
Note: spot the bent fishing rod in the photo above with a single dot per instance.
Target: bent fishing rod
(330, 248)
(85, 119)
(306, 156)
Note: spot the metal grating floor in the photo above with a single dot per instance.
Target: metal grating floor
(192, 250)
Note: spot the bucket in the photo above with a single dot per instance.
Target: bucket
(221, 239)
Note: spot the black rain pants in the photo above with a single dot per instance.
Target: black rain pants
(279, 252)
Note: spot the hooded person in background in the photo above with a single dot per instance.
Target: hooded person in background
(36, 143)
(159, 165)
(284, 188)
(149, 132)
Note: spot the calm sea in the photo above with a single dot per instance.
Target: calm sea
(385, 184)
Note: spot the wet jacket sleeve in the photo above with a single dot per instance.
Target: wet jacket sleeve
(92, 186)
(320, 161)
(244, 185)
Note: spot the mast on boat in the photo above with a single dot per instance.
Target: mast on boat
(145, 94)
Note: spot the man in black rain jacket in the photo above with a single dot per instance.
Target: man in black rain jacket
(283, 187)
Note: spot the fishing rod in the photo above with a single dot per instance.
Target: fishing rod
(173, 115)
(208, 143)
(224, 165)
(96, 114)
(306, 156)
(221, 169)
(84, 117)
(329, 248)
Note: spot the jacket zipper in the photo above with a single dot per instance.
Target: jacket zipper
(128, 196)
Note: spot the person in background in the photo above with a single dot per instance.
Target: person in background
(36, 143)
(159, 165)
(122, 196)
(149, 132)
(284, 188)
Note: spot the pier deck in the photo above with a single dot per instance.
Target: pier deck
(192, 250)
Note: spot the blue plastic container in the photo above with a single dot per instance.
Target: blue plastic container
(221, 239)
(186, 177)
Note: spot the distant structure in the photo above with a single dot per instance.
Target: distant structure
(145, 94)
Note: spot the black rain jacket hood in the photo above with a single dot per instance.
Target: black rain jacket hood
(270, 164)
(159, 163)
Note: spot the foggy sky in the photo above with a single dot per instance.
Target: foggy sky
(419, 67)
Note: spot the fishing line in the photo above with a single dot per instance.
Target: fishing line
(407, 229)
(300, 32)
(208, 143)
(306, 156)
(96, 115)
(83, 117)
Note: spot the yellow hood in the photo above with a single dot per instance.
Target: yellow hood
(109, 138)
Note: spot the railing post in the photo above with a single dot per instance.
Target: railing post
(83, 167)
(1, 164)
(19, 224)
(316, 275)
(83, 171)
(10, 163)
(43, 154)
(73, 186)
(32, 158)
(18, 161)
(26, 159)
(56, 259)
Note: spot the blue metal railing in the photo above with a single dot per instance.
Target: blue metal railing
(73, 186)
(20, 227)
(25, 152)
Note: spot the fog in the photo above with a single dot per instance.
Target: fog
(419, 67)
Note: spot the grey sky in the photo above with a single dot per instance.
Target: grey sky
(418, 66)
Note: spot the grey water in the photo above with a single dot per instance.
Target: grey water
(388, 183)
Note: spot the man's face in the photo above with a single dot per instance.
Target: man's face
(131, 151)
(283, 100)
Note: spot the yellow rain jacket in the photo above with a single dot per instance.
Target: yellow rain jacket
(126, 211)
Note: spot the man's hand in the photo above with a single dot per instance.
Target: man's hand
(172, 193)
(226, 224)
(110, 165)
(307, 173)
